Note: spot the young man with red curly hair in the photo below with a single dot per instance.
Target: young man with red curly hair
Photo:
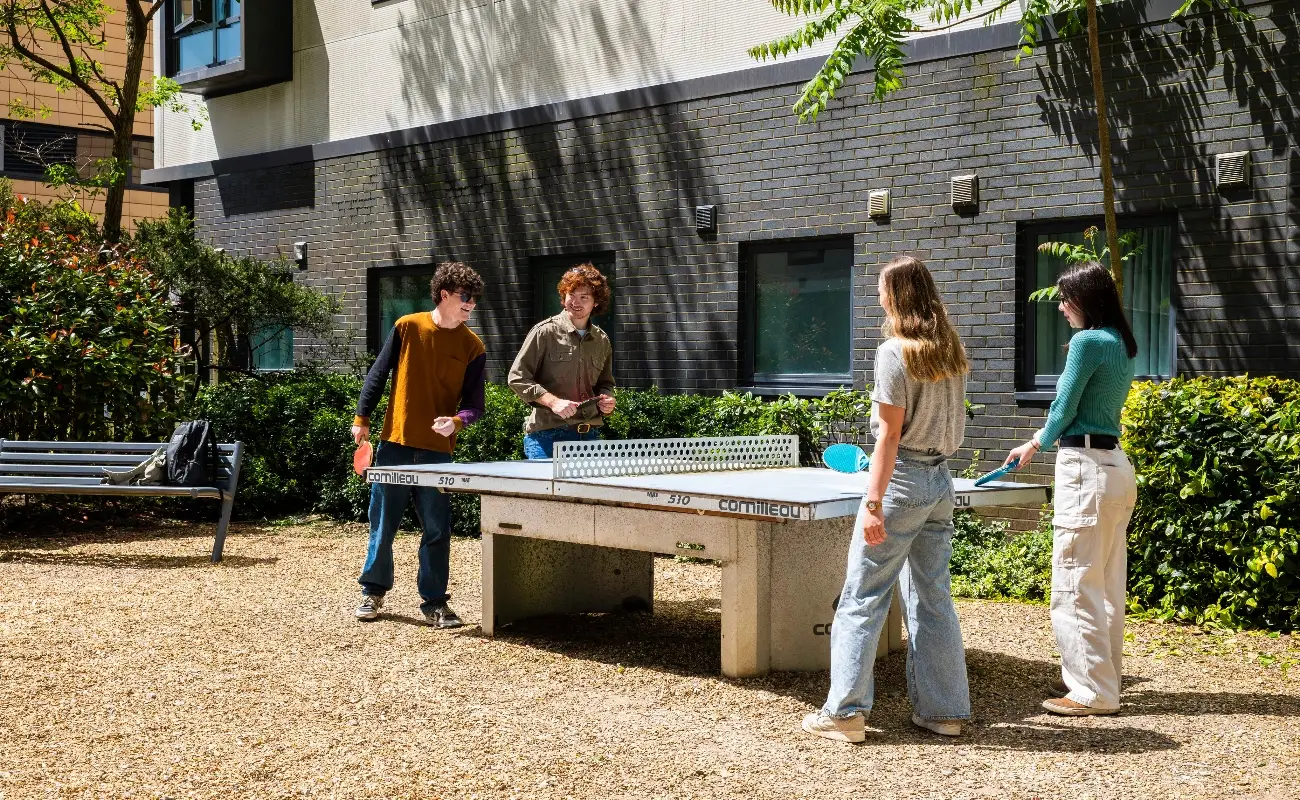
(438, 385)
(565, 360)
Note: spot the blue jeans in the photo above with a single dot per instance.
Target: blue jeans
(388, 506)
(918, 509)
(541, 444)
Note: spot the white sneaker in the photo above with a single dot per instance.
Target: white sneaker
(841, 729)
(943, 727)
(369, 608)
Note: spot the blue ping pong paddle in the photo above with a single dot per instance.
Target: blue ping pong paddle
(997, 473)
(845, 457)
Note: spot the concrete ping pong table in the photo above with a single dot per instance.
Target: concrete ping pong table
(578, 533)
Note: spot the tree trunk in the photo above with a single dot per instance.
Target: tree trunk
(137, 35)
(1103, 142)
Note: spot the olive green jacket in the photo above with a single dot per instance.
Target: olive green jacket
(556, 359)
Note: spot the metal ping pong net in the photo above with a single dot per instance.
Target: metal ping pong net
(605, 459)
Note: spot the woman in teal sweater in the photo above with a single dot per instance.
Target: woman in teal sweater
(1094, 495)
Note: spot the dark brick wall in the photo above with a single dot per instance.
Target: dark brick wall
(627, 182)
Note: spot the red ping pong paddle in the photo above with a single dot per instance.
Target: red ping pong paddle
(362, 457)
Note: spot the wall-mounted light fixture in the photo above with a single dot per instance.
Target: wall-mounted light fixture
(300, 254)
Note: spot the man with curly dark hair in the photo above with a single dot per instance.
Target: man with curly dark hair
(437, 364)
(565, 361)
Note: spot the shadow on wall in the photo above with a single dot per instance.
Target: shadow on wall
(1160, 84)
(624, 182)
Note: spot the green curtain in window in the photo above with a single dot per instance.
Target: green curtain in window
(547, 271)
(272, 347)
(1147, 278)
(803, 312)
(400, 295)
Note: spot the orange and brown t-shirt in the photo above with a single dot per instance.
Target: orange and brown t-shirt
(437, 372)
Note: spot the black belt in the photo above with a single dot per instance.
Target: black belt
(580, 427)
(1095, 441)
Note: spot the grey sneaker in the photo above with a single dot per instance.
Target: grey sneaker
(441, 616)
(841, 729)
(943, 727)
(369, 608)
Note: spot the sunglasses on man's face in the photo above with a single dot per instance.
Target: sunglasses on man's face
(466, 297)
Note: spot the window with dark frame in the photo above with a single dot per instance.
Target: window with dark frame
(546, 272)
(798, 314)
(1148, 279)
(271, 347)
(218, 47)
(392, 293)
(206, 33)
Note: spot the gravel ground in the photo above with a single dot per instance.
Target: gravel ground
(130, 667)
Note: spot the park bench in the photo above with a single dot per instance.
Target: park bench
(77, 467)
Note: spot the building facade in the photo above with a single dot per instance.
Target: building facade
(523, 137)
(72, 132)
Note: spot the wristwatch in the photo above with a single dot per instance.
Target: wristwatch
(873, 506)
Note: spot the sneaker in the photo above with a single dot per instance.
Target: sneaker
(370, 605)
(1066, 707)
(943, 727)
(441, 616)
(841, 729)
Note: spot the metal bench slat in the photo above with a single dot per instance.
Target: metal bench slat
(13, 445)
(97, 488)
(29, 457)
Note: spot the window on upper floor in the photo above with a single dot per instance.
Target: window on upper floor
(217, 47)
(798, 314)
(1147, 292)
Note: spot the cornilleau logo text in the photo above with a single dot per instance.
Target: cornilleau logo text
(392, 477)
(759, 508)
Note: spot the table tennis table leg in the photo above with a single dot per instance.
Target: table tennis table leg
(527, 577)
(746, 603)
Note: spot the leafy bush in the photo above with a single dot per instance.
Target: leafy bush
(88, 351)
(1214, 536)
(295, 427)
(989, 562)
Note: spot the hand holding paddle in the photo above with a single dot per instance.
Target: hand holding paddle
(1013, 464)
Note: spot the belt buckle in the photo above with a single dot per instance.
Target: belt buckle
(583, 427)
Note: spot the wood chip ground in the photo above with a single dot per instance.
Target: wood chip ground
(131, 667)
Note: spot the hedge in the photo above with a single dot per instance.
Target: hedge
(1214, 536)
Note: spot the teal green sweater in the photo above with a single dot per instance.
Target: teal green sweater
(1092, 387)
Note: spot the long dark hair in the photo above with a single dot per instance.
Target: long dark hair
(1090, 288)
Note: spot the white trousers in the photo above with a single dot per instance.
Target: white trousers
(1093, 502)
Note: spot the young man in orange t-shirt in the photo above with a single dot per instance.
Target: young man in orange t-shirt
(438, 384)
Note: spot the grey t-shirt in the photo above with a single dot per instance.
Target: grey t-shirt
(934, 416)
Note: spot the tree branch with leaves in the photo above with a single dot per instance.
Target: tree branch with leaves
(879, 30)
(57, 42)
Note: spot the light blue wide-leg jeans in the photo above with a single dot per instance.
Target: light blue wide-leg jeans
(918, 508)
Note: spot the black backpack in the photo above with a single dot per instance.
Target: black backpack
(192, 455)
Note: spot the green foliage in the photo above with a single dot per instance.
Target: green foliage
(989, 562)
(1214, 537)
(295, 427)
(87, 350)
(877, 30)
(231, 298)
(1083, 252)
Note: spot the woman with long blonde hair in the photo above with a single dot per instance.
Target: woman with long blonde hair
(903, 531)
